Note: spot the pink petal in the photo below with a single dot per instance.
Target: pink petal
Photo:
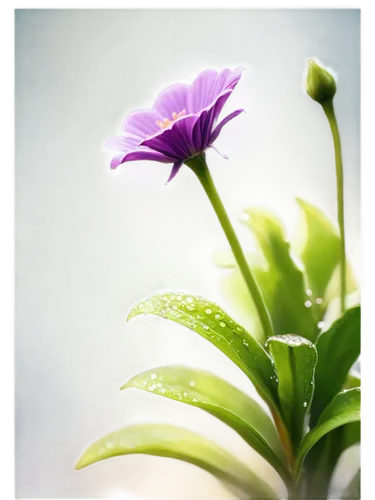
(173, 99)
(217, 130)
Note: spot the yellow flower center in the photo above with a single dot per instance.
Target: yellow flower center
(166, 121)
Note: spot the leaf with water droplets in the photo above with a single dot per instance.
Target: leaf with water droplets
(221, 399)
(295, 360)
(179, 443)
(315, 242)
(345, 408)
(212, 323)
(283, 283)
(338, 349)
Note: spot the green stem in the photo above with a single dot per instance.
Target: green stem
(199, 166)
(330, 114)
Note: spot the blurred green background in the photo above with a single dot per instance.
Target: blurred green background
(89, 244)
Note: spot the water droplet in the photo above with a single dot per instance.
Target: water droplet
(200, 316)
(195, 400)
(189, 299)
(321, 324)
(309, 292)
(217, 316)
(179, 297)
(239, 329)
(222, 324)
(304, 404)
(319, 300)
(192, 383)
(174, 308)
(208, 311)
(205, 327)
(308, 303)
(163, 389)
(153, 376)
(245, 343)
(244, 217)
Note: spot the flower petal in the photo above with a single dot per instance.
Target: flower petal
(208, 85)
(121, 143)
(203, 128)
(141, 123)
(173, 99)
(217, 130)
(143, 154)
(117, 160)
(175, 169)
(175, 141)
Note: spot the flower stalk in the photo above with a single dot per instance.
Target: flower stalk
(199, 166)
(330, 114)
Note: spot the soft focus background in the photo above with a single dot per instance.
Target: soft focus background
(89, 243)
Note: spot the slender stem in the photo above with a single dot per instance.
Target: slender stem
(330, 113)
(199, 166)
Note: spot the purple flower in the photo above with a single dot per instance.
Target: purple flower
(181, 124)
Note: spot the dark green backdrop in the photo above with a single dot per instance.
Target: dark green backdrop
(88, 244)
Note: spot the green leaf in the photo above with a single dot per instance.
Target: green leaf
(175, 442)
(212, 323)
(333, 313)
(237, 295)
(353, 490)
(345, 408)
(338, 349)
(318, 247)
(283, 285)
(221, 399)
(333, 287)
(295, 360)
(352, 380)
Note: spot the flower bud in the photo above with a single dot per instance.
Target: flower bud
(320, 83)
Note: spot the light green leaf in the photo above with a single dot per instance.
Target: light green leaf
(333, 313)
(345, 408)
(352, 380)
(283, 284)
(338, 349)
(175, 442)
(317, 244)
(333, 287)
(212, 323)
(295, 360)
(216, 396)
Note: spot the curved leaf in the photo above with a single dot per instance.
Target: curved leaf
(345, 408)
(284, 287)
(338, 348)
(295, 360)
(211, 322)
(333, 312)
(221, 399)
(175, 442)
(236, 293)
(352, 380)
(317, 244)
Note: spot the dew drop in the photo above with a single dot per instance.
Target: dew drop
(174, 308)
(208, 311)
(245, 343)
(217, 316)
(192, 383)
(308, 303)
(205, 327)
(222, 324)
(179, 297)
(321, 324)
(189, 299)
(239, 329)
(309, 292)
(304, 404)
(162, 390)
(153, 376)
(319, 300)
